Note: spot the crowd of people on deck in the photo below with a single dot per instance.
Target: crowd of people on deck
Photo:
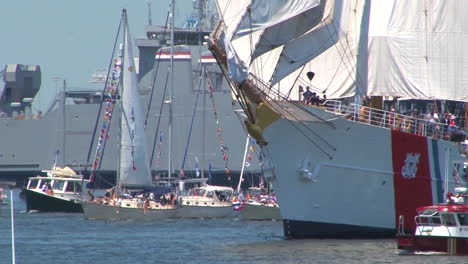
(312, 98)
(20, 116)
(433, 124)
(263, 198)
(443, 126)
(143, 199)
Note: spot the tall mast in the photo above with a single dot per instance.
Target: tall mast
(171, 90)
(64, 125)
(122, 50)
(204, 118)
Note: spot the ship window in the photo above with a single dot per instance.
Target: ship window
(78, 187)
(58, 185)
(449, 220)
(463, 219)
(429, 217)
(69, 187)
(33, 184)
(43, 182)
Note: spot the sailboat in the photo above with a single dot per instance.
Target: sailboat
(256, 204)
(347, 166)
(135, 197)
(206, 201)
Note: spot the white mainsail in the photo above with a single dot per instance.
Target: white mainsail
(134, 165)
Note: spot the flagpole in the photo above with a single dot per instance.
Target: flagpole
(243, 162)
(13, 257)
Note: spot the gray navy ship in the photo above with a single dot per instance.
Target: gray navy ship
(208, 141)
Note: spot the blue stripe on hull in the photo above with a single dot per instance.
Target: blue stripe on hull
(306, 229)
(44, 203)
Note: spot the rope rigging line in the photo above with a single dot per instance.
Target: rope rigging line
(274, 101)
(155, 74)
(110, 100)
(103, 97)
(278, 93)
(109, 112)
(223, 148)
(191, 127)
(159, 119)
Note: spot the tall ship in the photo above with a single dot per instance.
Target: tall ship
(360, 106)
(206, 138)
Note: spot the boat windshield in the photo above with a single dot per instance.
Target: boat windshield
(197, 192)
(463, 219)
(33, 184)
(43, 183)
(58, 185)
(428, 217)
(449, 220)
(73, 187)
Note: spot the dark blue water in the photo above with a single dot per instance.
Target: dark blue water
(69, 238)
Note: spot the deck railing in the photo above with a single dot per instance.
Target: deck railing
(392, 120)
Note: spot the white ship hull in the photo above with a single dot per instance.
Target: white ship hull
(108, 212)
(355, 187)
(258, 211)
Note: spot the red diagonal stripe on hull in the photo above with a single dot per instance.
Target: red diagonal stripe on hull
(410, 192)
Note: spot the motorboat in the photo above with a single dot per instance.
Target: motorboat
(439, 228)
(59, 190)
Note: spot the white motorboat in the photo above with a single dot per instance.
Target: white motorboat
(439, 228)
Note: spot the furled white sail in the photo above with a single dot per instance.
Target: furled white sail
(255, 27)
(329, 50)
(417, 49)
(294, 26)
(413, 49)
(134, 164)
(333, 30)
(232, 13)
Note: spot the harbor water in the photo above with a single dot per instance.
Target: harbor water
(70, 238)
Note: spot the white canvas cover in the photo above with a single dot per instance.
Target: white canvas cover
(417, 49)
(134, 164)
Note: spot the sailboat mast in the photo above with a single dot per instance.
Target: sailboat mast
(171, 90)
(64, 127)
(203, 121)
(122, 50)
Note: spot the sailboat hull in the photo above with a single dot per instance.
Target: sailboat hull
(205, 212)
(345, 178)
(108, 212)
(42, 202)
(257, 211)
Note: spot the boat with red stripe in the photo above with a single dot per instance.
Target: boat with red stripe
(439, 228)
